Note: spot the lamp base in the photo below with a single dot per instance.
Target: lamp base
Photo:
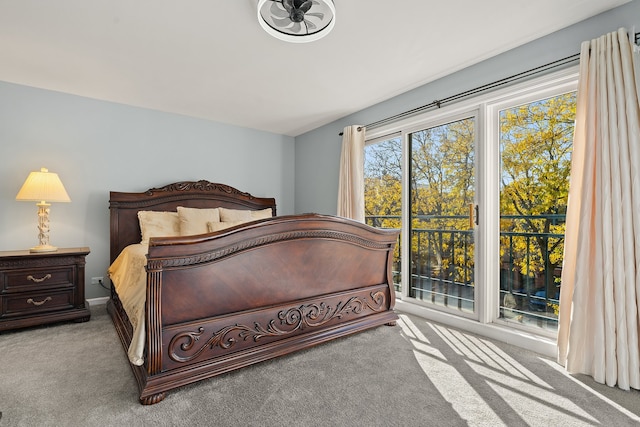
(43, 248)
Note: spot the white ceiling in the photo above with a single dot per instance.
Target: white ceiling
(210, 59)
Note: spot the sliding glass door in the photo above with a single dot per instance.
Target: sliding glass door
(536, 140)
(442, 205)
(480, 192)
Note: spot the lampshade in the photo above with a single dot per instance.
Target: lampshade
(297, 21)
(43, 186)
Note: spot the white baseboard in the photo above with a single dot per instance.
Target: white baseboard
(97, 301)
(539, 344)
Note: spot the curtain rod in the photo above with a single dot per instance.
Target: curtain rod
(480, 89)
(439, 102)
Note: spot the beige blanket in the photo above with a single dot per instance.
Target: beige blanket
(129, 277)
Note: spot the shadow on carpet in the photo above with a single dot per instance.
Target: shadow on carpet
(414, 374)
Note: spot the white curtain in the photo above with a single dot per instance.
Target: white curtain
(636, 68)
(351, 182)
(600, 295)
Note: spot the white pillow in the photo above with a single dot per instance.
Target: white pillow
(262, 214)
(217, 226)
(158, 224)
(229, 215)
(194, 220)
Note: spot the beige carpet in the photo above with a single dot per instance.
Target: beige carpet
(414, 374)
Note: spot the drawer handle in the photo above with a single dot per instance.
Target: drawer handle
(30, 277)
(37, 303)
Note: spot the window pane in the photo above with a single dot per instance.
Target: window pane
(535, 148)
(383, 190)
(442, 191)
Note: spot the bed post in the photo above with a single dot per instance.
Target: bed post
(153, 323)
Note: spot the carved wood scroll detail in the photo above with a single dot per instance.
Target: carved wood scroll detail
(290, 321)
(201, 185)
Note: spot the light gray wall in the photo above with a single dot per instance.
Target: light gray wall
(318, 151)
(96, 147)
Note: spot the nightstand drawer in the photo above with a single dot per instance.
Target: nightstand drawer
(42, 287)
(41, 278)
(20, 304)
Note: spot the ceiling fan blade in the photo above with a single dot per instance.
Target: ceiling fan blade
(284, 22)
(306, 6)
(277, 10)
(318, 15)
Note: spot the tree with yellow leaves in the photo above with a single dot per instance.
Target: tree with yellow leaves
(536, 141)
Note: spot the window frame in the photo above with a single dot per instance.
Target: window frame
(485, 108)
(432, 122)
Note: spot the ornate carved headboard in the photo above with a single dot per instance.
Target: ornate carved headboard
(124, 207)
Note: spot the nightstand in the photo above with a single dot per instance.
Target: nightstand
(39, 288)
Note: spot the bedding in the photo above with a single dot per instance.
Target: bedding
(243, 215)
(194, 220)
(158, 224)
(222, 225)
(129, 279)
(128, 274)
(190, 307)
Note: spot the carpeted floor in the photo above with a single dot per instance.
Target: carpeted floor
(414, 374)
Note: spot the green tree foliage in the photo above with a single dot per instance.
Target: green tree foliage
(382, 183)
(383, 189)
(442, 188)
(536, 141)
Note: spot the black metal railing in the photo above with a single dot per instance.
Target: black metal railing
(390, 221)
(442, 264)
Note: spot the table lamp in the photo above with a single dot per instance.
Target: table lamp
(43, 187)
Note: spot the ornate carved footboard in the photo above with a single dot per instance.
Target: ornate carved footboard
(226, 300)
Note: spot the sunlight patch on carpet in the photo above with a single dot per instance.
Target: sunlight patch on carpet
(613, 404)
(450, 383)
(530, 401)
(485, 352)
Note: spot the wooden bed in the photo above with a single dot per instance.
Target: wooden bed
(224, 300)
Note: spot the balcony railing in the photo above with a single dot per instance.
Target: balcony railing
(442, 265)
(390, 221)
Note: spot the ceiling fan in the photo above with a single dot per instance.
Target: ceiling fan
(297, 21)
